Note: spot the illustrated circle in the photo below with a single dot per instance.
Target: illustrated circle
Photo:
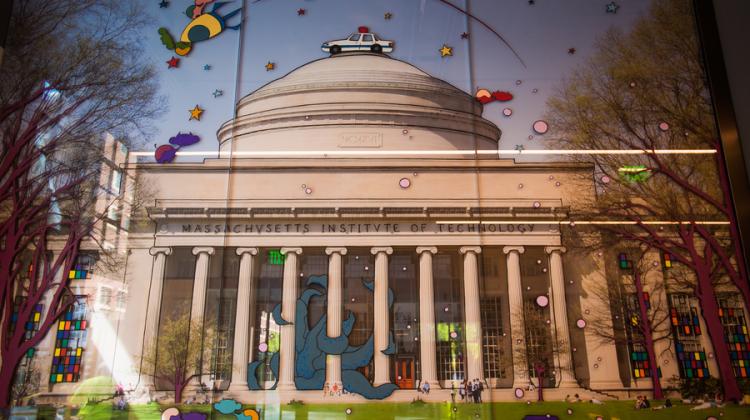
(542, 301)
(581, 323)
(518, 392)
(404, 183)
(540, 127)
(262, 347)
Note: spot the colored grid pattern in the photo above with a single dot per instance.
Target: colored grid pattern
(736, 332)
(623, 262)
(82, 269)
(69, 344)
(640, 364)
(32, 325)
(691, 357)
(666, 260)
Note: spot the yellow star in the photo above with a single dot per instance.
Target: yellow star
(446, 51)
(270, 66)
(195, 113)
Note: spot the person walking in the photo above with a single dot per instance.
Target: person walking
(453, 392)
(480, 389)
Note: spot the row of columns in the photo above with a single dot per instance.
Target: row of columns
(243, 333)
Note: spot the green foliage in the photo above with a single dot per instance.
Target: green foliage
(698, 388)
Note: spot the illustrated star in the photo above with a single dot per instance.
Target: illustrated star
(531, 2)
(206, 67)
(163, 4)
(195, 113)
(465, 35)
(388, 16)
(446, 51)
(270, 66)
(520, 147)
(173, 62)
(301, 12)
(571, 51)
(217, 93)
(612, 7)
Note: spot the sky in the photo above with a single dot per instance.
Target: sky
(541, 33)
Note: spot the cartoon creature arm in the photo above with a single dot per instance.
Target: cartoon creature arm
(199, 6)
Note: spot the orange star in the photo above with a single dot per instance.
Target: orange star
(195, 113)
(270, 66)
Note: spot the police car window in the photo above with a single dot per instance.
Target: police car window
(367, 38)
(354, 37)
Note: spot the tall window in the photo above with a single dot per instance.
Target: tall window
(447, 272)
(70, 343)
(493, 285)
(313, 263)
(359, 268)
(268, 280)
(221, 307)
(404, 317)
(177, 292)
(735, 330)
(539, 349)
(686, 329)
(83, 267)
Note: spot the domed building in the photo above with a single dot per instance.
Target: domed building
(358, 237)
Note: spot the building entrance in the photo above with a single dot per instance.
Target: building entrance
(405, 372)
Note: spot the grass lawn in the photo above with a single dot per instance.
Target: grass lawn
(619, 410)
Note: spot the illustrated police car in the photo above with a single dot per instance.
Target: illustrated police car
(363, 40)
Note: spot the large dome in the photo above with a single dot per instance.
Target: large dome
(358, 101)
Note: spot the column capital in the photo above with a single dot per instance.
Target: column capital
(378, 249)
(242, 251)
(153, 251)
(336, 250)
(287, 250)
(509, 249)
(423, 249)
(204, 250)
(475, 249)
(551, 249)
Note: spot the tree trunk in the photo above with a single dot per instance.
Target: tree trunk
(648, 337)
(7, 372)
(710, 312)
(178, 392)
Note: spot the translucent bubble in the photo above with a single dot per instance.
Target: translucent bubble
(535, 90)
(581, 323)
(348, 411)
(537, 204)
(542, 301)
(404, 183)
(308, 190)
(558, 183)
(518, 82)
(663, 126)
(596, 366)
(540, 127)
(520, 186)
(507, 112)
(518, 392)
(404, 131)
(262, 347)
(446, 309)
(569, 411)
(606, 179)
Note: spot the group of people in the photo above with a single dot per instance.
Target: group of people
(642, 402)
(470, 391)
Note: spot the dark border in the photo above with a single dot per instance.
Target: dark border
(726, 121)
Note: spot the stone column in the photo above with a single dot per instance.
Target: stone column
(154, 304)
(242, 327)
(334, 314)
(287, 351)
(560, 309)
(473, 318)
(381, 311)
(515, 300)
(427, 317)
(198, 308)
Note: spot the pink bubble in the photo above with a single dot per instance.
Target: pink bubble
(540, 127)
(542, 301)
(404, 183)
(518, 392)
(581, 323)
(263, 347)
(507, 112)
(663, 126)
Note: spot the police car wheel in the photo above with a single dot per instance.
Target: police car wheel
(335, 49)
(376, 48)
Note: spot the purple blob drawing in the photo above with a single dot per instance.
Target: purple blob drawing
(165, 153)
(182, 139)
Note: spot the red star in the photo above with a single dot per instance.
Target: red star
(301, 12)
(465, 35)
(173, 63)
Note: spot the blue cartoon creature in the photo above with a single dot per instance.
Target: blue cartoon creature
(203, 26)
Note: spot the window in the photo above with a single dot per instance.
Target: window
(358, 299)
(538, 324)
(354, 37)
(83, 268)
(447, 271)
(116, 181)
(495, 313)
(70, 344)
(403, 280)
(691, 355)
(733, 319)
(367, 38)
(105, 296)
(221, 308)
(266, 333)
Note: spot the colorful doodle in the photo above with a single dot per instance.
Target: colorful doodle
(227, 406)
(485, 96)
(313, 344)
(173, 413)
(167, 152)
(202, 27)
(634, 173)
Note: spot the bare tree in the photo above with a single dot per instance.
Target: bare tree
(646, 91)
(71, 73)
(181, 353)
(632, 313)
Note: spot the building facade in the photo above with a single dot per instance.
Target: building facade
(357, 237)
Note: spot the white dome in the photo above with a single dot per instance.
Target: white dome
(359, 100)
